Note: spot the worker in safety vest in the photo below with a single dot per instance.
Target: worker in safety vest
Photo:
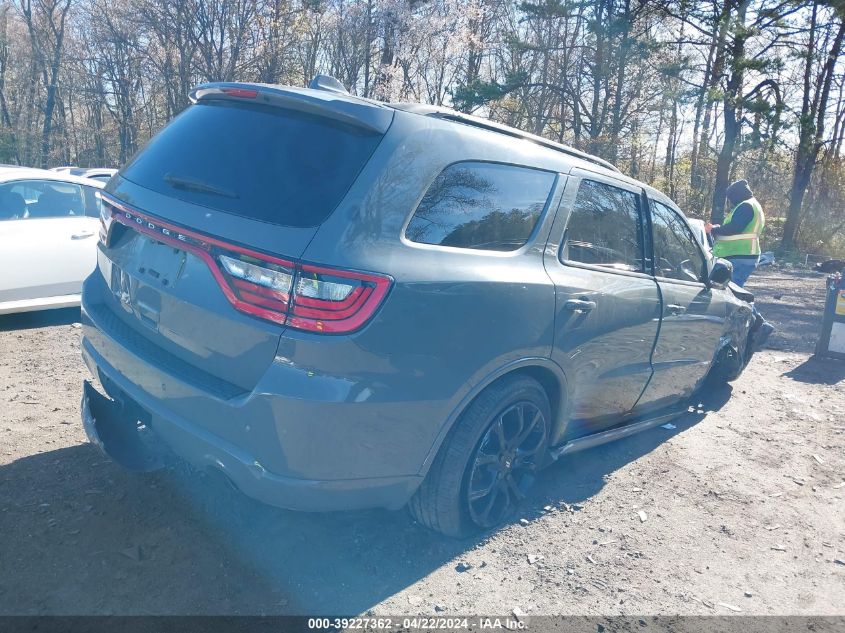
(738, 241)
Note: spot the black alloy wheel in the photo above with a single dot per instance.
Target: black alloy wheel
(505, 463)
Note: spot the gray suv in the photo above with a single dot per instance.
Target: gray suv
(341, 303)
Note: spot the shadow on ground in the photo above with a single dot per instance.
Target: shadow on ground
(181, 542)
(818, 370)
(794, 308)
(42, 318)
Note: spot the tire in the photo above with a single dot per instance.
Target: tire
(473, 453)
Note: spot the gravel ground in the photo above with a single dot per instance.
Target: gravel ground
(742, 510)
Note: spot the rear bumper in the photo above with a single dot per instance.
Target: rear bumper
(262, 428)
(204, 450)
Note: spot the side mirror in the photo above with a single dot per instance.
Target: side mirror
(721, 273)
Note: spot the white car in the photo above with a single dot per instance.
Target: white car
(49, 223)
(97, 173)
(698, 228)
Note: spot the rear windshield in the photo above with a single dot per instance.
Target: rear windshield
(264, 163)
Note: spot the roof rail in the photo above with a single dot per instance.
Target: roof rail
(468, 119)
(527, 136)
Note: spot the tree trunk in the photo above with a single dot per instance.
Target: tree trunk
(700, 101)
(811, 132)
(732, 104)
(721, 30)
(621, 68)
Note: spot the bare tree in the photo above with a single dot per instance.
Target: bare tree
(818, 78)
(46, 21)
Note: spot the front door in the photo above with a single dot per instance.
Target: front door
(693, 319)
(607, 302)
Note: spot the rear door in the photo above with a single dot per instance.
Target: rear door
(607, 304)
(693, 318)
(47, 241)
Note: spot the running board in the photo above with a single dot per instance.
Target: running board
(610, 435)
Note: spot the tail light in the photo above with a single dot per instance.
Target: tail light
(261, 287)
(302, 296)
(306, 297)
(329, 300)
(105, 217)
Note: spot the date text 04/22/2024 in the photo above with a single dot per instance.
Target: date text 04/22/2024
(416, 623)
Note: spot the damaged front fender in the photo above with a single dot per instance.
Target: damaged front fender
(735, 348)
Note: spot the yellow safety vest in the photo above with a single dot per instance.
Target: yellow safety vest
(745, 243)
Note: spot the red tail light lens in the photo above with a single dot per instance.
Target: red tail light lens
(262, 287)
(335, 301)
(302, 296)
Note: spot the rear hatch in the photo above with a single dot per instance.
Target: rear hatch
(203, 229)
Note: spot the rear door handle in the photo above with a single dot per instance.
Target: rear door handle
(580, 305)
(675, 310)
(82, 235)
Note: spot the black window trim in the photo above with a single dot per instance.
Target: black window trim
(553, 195)
(680, 214)
(576, 176)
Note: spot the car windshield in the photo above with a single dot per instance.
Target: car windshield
(268, 164)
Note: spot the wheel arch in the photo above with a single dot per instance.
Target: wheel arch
(545, 371)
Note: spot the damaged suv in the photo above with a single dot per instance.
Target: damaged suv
(341, 303)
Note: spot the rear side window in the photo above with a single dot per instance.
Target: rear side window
(677, 254)
(483, 206)
(32, 199)
(279, 166)
(604, 228)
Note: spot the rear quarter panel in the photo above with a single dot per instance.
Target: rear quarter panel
(453, 318)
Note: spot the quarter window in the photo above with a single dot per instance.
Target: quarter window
(604, 228)
(482, 206)
(676, 251)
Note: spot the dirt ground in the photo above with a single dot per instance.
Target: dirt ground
(744, 503)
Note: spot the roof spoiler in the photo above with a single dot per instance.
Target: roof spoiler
(327, 101)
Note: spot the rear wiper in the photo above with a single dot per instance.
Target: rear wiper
(190, 184)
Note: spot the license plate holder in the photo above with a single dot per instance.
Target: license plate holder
(160, 262)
